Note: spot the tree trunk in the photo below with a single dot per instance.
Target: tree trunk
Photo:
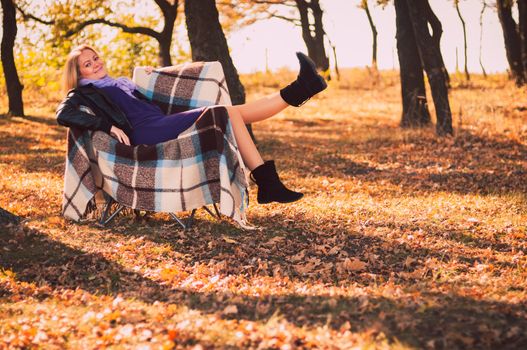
(481, 39)
(334, 48)
(374, 34)
(164, 58)
(314, 39)
(165, 42)
(512, 41)
(522, 15)
(433, 64)
(415, 108)
(14, 87)
(437, 32)
(165, 36)
(208, 42)
(467, 75)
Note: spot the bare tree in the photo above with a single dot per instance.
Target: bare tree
(481, 39)
(522, 28)
(365, 7)
(334, 49)
(433, 64)
(512, 39)
(306, 14)
(414, 40)
(415, 107)
(463, 24)
(313, 31)
(14, 87)
(437, 33)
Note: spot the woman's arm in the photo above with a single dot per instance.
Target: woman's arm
(70, 113)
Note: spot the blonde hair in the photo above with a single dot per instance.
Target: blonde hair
(71, 68)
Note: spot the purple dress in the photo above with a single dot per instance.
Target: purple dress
(150, 125)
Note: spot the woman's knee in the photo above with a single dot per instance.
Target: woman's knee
(233, 112)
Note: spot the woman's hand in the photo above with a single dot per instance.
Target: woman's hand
(119, 135)
(149, 69)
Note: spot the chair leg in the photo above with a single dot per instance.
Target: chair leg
(105, 220)
(216, 210)
(218, 215)
(186, 224)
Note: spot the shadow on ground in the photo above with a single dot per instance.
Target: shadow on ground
(419, 319)
(25, 151)
(466, 164)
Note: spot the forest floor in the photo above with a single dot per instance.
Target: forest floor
(403, 239)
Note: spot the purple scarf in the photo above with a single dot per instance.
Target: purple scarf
(122, 83)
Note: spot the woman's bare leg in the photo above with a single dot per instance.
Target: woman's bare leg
(307, 84)
(261, 109)
(251, 156)
(270, 188)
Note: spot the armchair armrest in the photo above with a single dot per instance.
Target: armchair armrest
(185, 86)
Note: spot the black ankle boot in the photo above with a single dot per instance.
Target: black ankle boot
(307, 84)
(270, 188)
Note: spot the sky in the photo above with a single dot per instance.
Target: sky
(348, 28)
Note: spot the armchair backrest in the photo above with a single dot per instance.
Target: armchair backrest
(185, 86)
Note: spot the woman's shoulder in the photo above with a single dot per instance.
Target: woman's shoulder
(83, 93)
(82, 89)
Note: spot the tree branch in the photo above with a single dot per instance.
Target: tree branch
(166, 7)
(33, 17)
(435, 23)
(295, 21)
(276, 2)
(124, 28)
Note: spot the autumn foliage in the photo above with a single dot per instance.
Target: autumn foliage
(403, 240)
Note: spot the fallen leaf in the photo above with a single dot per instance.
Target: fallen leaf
(353, 264)
(229, 240)
(231, 309)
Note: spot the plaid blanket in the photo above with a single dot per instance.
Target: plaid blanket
(202, 166)
(185, 86)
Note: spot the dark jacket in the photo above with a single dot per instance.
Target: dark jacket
(88, 107)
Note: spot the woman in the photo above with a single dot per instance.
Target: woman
(97, 102)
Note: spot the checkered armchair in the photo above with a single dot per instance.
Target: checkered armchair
(185, 86)
(202, 166)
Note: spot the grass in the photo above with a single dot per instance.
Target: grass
(404, 240)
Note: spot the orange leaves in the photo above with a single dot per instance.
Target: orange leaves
(173, 274)
(402, 239)
(299, 257)
(125, 332)
(230, 310)
(273, 242)
(307, 267)
(315, 266)
(350, 265)
(229, 240)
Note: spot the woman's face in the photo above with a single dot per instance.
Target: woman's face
(91, 66)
